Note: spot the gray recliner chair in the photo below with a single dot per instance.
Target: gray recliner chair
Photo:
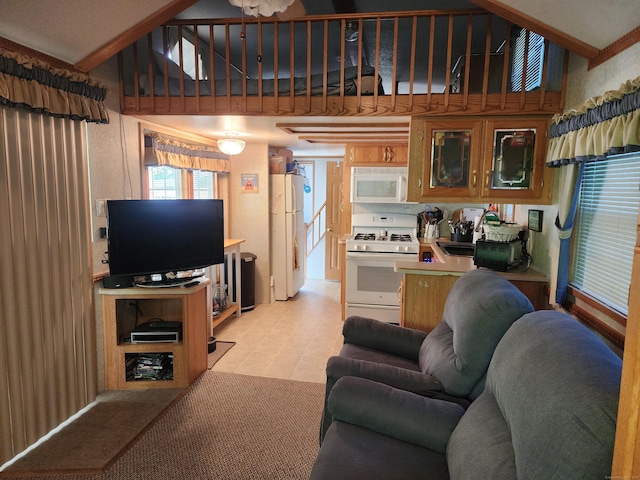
(448, 363)
(548, 410)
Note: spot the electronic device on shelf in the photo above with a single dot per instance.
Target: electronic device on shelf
(161, 239)
(156, 330)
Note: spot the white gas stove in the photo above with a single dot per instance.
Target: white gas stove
(383, 233)
(377, 242)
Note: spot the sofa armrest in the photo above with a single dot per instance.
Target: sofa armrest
(408, 417)
(367, 332)
(410, 380)
(402, 378)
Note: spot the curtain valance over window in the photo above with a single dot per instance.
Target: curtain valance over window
(162, 150)
(33, 84)
(605, 125)
(602, 126)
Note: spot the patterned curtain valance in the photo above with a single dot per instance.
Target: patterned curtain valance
(29, 83)
(605, 125)
(161, 150)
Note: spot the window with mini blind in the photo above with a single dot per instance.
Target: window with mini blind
(605, 230)
(530, 46)
(171, 183)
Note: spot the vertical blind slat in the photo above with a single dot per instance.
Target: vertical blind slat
(47, 336)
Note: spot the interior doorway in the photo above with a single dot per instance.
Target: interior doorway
(332, 265)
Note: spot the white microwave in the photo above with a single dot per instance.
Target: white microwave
(379, 184)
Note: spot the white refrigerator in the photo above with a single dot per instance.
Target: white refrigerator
(287, 234)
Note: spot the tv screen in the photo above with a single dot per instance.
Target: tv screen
(148, 237)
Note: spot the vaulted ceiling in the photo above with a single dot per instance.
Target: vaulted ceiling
(84, 33)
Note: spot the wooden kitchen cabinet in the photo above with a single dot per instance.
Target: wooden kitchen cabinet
(445, 164)
(514, 160)
(423, 299)
(479, 160)
(395, 154)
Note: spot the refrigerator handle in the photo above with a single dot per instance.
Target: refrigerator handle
(294, 197)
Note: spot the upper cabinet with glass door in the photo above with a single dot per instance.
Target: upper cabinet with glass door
(514, 166)
(485, 160)
(444, 159)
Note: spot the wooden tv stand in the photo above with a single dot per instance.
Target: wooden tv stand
(124, 308)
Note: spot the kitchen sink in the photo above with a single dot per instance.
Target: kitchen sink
(457, 249)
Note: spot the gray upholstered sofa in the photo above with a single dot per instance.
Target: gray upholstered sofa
(547, 411)
(451, 361)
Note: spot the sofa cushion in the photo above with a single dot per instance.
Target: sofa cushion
(480, 446)
(556, 386)
(480, 308)
(350, 452)
(358, 352)
(384, 337)
(406, 416)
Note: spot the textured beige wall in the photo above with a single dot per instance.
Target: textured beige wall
(584, 84)
(114, 158)
(250, 212)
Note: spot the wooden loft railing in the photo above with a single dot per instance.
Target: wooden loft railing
(415, 63)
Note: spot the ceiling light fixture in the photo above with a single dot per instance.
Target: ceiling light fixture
(266, 8)
(231, 145)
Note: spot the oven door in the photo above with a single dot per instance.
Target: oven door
(371, 280)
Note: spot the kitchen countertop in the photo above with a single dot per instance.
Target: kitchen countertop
(458, 265)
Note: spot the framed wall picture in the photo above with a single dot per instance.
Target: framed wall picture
(535, 220)
(249, 182)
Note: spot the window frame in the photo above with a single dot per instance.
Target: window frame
(596, 312)
(186, 178)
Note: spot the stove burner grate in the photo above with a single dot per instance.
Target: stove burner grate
(397, 237)
(365, 236)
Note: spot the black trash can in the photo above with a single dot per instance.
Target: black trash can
(248, 277)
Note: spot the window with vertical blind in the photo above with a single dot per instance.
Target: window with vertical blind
(605, 231)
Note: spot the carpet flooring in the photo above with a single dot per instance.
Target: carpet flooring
(227, 426)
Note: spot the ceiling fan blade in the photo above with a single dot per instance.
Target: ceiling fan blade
(295, 10)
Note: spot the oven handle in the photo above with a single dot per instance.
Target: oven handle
(396, 257)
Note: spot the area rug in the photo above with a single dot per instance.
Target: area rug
(227, 426)
(221, 349)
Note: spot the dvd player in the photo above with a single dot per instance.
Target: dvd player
(156, 331)
(155, 337)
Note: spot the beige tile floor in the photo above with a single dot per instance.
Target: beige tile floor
(287, 339)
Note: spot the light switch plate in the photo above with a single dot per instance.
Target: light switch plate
(100, 208)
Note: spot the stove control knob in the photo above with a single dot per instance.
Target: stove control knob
(364, 247)
(402, 249)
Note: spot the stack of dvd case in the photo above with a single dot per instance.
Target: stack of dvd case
(149, 366)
